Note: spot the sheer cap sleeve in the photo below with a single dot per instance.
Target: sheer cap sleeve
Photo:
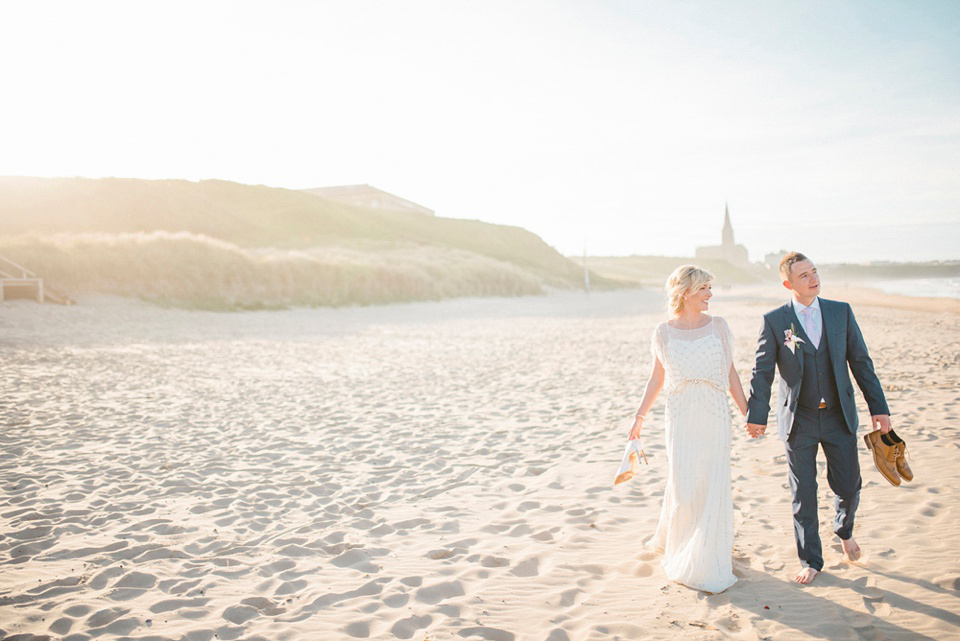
(726, 339)
(656, 343)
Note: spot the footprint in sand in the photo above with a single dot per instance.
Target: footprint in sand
(358, 629)
(438, 592)
(137, 580)
(545, 536)
(490, 634)
(406, 628)
(382, 530)
(729, 623)
(276, 567)
(397, 600)
(77, 611)
(520, 530)
(31, 533)
(240, 614)
(264, 606)
(61, 626)
(558, 634)
(290, 587)
(620, 630)
(169, 605)
(359, 559)
(590, 568)
(494, 562)
(120, 627)
(102, 618)
(410, 524)
(880, 609)
(527, 567)
(949, 582)
(570, 597)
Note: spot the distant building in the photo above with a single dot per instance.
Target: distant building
(727, 250)
(772, 260)
(369, 197)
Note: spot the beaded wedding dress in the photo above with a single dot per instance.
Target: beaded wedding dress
(696, 521)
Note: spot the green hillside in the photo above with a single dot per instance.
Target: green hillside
(252, 216)
(87, 235)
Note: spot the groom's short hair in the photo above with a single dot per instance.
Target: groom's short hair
(786, 263)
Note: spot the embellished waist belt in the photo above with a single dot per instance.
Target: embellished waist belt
(679, 385)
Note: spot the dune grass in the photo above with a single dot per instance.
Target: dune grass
(195, 271)
(215, 244)
(256, 216)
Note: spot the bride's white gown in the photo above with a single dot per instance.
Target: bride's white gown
(696, 520)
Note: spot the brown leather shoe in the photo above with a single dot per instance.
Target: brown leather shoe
(884, 456)
(902, 467)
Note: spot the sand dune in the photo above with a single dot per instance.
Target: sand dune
(425, 471)
(199, 272)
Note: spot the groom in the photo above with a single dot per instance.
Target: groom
(811, 341)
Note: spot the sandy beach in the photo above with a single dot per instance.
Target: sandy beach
(436, 471)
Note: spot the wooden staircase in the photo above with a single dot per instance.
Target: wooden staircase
(17, 282)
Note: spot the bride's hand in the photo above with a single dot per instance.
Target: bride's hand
(637, 427)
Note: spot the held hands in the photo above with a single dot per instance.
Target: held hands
(635, 430)
(755, 430)
(881, 420)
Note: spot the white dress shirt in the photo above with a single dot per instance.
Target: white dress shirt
(817, 319)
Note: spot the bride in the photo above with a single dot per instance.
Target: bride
(693, 364)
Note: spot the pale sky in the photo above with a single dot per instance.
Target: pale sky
(624, 126)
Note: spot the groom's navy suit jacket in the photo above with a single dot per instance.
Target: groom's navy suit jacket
(846, 346)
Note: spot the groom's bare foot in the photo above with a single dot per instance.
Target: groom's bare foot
(806, 575)
(851, 549)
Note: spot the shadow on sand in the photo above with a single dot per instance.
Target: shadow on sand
(793, 606)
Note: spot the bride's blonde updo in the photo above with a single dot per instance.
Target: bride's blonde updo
(683, 280)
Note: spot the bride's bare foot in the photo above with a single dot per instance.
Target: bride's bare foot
(806, 575)
(851, 549)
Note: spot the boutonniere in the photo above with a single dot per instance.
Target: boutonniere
(791, 338)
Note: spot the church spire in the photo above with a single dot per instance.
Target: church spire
(727, 227)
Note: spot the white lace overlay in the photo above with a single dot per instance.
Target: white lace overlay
(696, 520)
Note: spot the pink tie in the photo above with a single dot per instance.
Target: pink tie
(809, 324)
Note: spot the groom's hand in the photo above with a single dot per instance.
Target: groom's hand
(881, 420)
(756, 430)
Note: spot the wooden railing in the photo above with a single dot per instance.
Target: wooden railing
(15, 271)
(17, 279)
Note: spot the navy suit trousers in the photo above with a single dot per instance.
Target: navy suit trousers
(827, 429)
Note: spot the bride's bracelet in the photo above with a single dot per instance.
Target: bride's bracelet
(639, 415)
